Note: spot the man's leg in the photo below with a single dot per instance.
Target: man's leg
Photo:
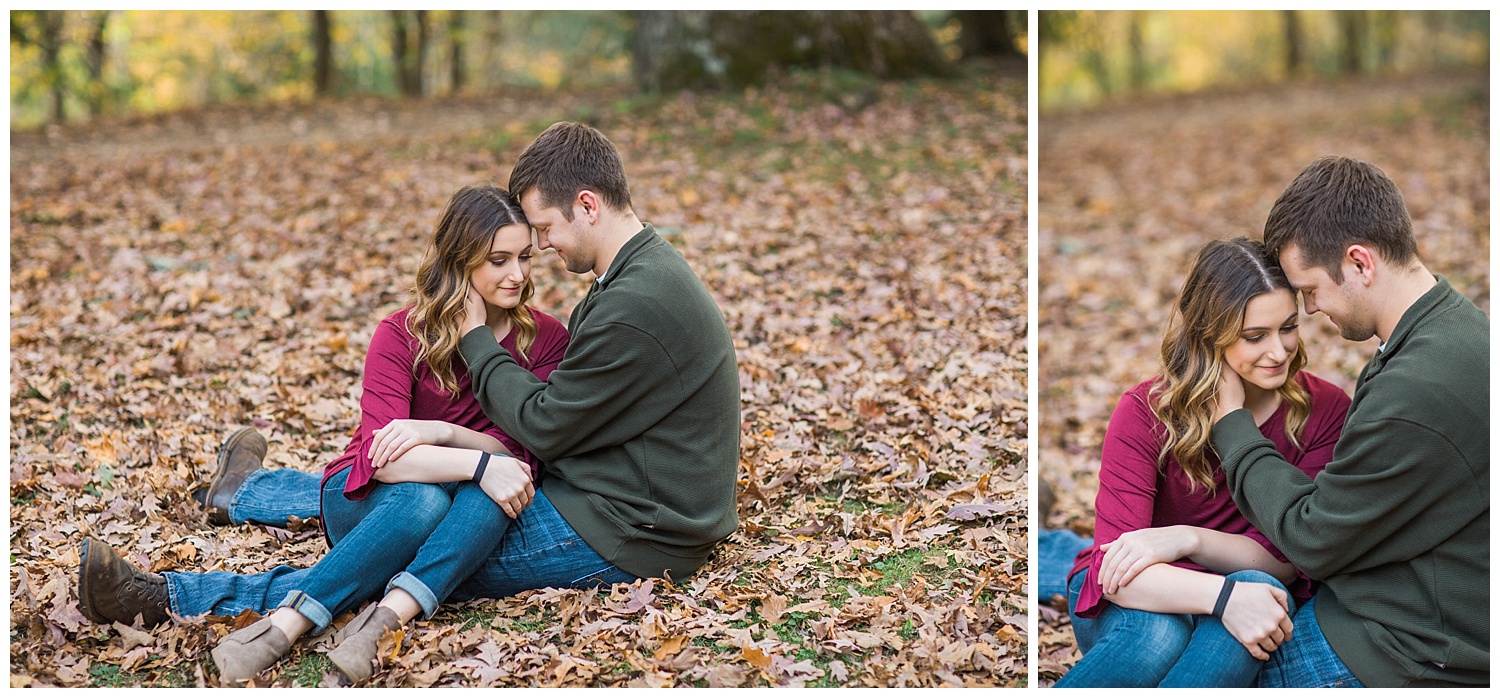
(241, 490)
(1306, 660)
(271, 497)
(228, 593)
(539, 550)
(1124, 647)
(1056, 550)
(1214, 658)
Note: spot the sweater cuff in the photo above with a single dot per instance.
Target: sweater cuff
(1233, 435)
(478, 344)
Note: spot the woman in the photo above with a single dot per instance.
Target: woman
(422, 493)
(1179, 589)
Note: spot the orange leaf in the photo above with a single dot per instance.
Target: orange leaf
(756, 657)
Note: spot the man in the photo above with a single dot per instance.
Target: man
(1397, 527)
(639, 425)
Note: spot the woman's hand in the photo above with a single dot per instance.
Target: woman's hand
(1256, 615)
(474, 311)
(508, 482)
(1231, 394)
(1133, 551)
(399, 436)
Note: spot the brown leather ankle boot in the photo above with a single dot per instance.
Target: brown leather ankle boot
(113, 590)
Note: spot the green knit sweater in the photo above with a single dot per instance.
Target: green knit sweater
(639, 426)
(1397, 527)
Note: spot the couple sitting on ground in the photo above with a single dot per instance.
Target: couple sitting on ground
(1254, 526)
(497, 451)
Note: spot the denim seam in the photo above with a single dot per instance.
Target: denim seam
(597, 573)
(172, 604)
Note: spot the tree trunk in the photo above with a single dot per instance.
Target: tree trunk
(50, 24)
(1137, 52)
(986, 33)
(409, 53)
(457, 41)
(1352, 25)
(94, 56)
(1294, 51)
(681, 49)
(398, 49)
(323, 52)
(417, 78)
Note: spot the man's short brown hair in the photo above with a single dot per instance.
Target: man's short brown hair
(1337, 202)
(567, 158)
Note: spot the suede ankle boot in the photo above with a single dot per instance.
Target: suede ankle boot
(249, 651)
(357, 642)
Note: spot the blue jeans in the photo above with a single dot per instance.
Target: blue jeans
(537, 550)
(268, 496)
(1055, 551)
(410, 526)
(1124, 647)
(1306, 660)
(272, 496)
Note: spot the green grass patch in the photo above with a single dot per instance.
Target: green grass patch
(110, 676)
(310, 669)
(469, 617)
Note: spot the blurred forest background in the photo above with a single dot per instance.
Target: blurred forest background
(69, 66)
(1165, 130)
(1094, 57)
(208, 220)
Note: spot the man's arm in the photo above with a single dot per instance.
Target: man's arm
(615, 381)
(1385, 475)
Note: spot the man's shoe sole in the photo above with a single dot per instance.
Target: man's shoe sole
(83, 585)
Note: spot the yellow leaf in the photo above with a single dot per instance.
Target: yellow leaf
(756, 657)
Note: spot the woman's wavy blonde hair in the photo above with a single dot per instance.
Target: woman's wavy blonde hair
(459, 245)
(1209, 317)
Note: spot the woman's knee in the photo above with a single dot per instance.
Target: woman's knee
(1149, 643)
(1256, 576)
(422, 504)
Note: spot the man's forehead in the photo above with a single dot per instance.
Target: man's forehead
(1291, 260)
(531, 203)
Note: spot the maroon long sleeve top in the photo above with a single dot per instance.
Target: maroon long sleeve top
(1135, 494)
(393, 389)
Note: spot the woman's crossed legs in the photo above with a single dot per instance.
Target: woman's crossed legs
(1125, 647)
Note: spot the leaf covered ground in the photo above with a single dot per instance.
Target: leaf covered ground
(1128, 194)
(175, 277)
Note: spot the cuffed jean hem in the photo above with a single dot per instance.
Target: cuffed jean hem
(173, 604)
(409, 583)
(310, 608)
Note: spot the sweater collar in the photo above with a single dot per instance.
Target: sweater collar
(1434, 299)
(622, 258)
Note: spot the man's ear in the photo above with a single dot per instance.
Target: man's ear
(588, 204)
(1361, 261)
